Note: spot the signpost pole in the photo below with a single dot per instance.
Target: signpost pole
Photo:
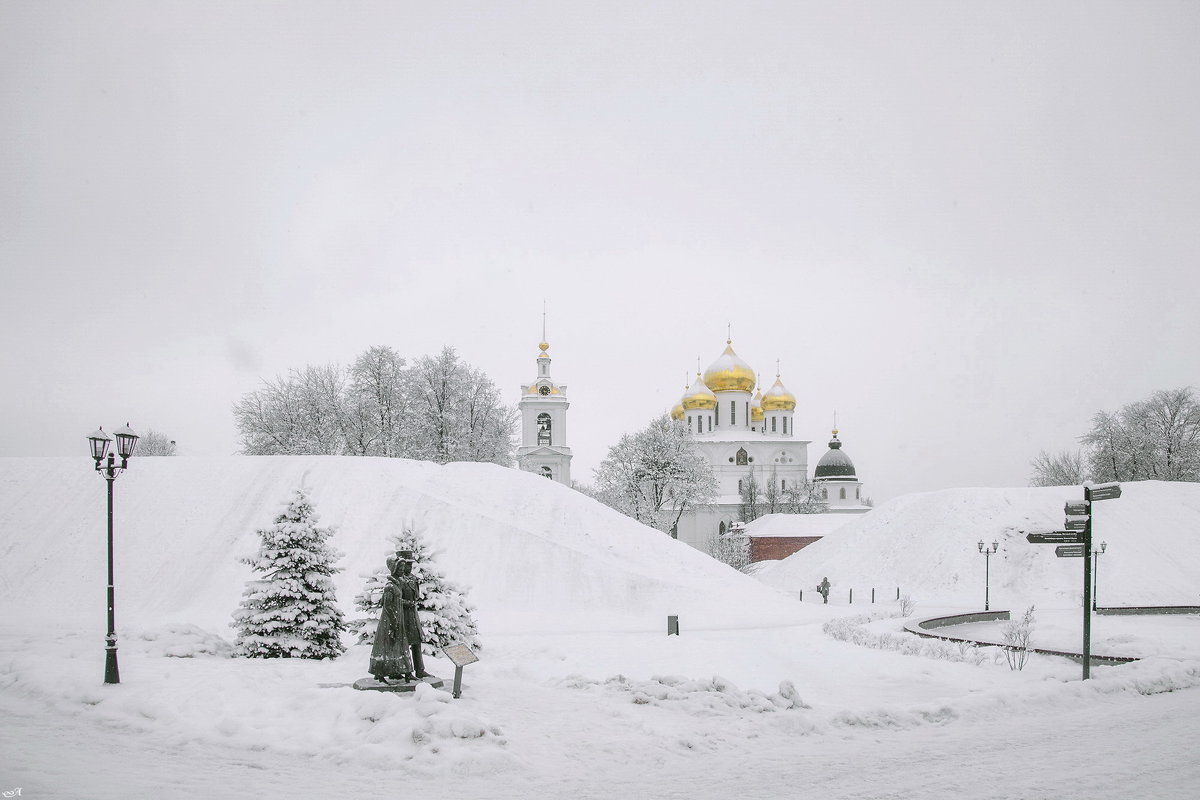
(1087, 599)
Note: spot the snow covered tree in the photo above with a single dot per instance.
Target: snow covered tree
(1060, 469)
(752, 497)
(439, 409)
(1154, 439)
(804, 498)
(291, 612)
(457, 413)
(655, 475)
(446, 616)
(730, 547)
(154, 443)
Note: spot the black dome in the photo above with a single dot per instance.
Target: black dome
(835, 465)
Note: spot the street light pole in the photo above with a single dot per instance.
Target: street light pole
(126, 444)
(987, 569)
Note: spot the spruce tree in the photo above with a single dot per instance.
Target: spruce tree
(291, 612)
(446, 616)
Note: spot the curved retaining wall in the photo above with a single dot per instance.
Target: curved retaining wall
(922, 628)
(1111, 612)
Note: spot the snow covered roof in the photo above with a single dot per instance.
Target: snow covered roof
(776, 525)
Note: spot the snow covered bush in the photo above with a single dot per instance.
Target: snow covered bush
(851, 629)
(906, 605)
(291, 612)
(1017, 635)
(446, 616)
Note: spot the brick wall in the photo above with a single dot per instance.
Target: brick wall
(774, 548)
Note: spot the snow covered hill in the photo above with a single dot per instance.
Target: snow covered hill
(536, 555)
(927, 545)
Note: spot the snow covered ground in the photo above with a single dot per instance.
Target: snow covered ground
(579, 692)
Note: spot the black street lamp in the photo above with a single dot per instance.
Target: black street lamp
(126, 444)
(987, 568)
(1096, 571)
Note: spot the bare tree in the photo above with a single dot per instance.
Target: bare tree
(154, 443)
(804, 498)
(1154, 439)
(751, 493)
(1061, 469)
(731, 547)
(655, 475)
(441, 409)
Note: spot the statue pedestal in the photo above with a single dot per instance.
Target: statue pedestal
(372, 685)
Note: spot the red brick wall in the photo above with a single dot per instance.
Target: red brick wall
(774, 548)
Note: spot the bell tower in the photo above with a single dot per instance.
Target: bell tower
(543, 408)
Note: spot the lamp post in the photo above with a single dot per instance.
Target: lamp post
(1096, 571)
(126, 444)
(987, 557)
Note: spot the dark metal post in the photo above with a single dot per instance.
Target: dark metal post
(851, 597)
(1087, 597)
(111, 673)
(457, 681)
(872, 595)
(987, 580)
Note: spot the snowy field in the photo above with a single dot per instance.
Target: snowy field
(579, 693)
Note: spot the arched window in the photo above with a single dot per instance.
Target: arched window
(742, 457)
(843, 493)
(721, 528)
(785, 426)
(546, 473)
(543, 428)
(824, 492)
(857, 492)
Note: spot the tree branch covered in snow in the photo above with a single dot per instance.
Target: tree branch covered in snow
(655, 475)
(439, 409)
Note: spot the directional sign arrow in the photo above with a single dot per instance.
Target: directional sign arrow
(1055, 537)
(1076, 523)
(1102, 491)
(1077, 509)
(1069, 551)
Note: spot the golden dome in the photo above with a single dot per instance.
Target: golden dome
(543, 347)
(698, 396)
(677, 411)
(778, 398)
(729, 373)
(756, 410)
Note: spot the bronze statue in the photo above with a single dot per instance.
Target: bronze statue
(396, 653)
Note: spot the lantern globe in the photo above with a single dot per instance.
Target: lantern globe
(100, 442)
(126, 441)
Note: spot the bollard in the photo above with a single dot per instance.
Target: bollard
(672, 626)
(851, 597)
(872, 595)
(802, 595)
(897, 592)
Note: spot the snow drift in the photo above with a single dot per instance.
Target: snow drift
(926, 544)
(535, 555)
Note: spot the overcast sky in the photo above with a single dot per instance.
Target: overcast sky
(964, 227)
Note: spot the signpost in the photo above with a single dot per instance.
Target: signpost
(1055, 537)
(460, 655)
(1076, 542)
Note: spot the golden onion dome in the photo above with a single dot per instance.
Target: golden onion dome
(698, 396)
(677, 411)
(729, 373)
(756, 409)
(778, 398)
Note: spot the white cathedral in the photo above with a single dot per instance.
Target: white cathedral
(736, 426)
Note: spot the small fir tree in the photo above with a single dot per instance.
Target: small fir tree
(291, 612)
(446, 616)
